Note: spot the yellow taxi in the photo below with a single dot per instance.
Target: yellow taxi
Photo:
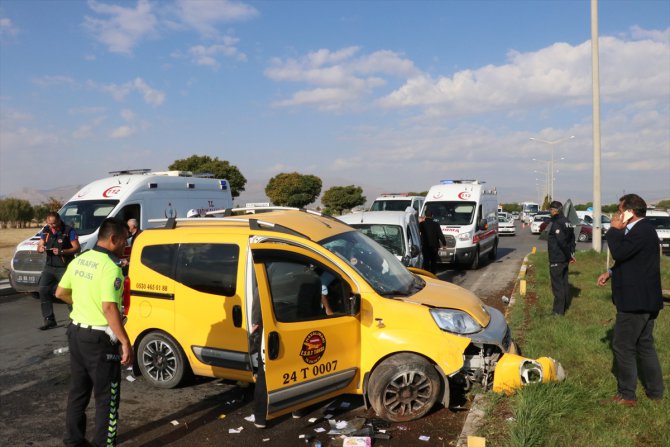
(339, 314)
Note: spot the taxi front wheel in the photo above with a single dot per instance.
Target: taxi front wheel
(161, 360)
(404, 387)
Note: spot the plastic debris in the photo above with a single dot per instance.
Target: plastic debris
(319, 430)
(424, 438)
(63, 350)
(357, 441)
(266, 439)
(130, 378)
(235, 430)
(175, 423)
(312, 420)
(345, 427)
(328, 416)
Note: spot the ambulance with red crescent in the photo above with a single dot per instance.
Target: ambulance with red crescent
(130, 194)
(467, 212)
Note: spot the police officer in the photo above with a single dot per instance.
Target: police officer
(561, 247)
(93, 284)
(60, 243)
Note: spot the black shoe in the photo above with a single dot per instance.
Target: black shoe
(48, 324)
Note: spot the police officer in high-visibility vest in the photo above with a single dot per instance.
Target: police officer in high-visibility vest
(60, 243)
(93, 284)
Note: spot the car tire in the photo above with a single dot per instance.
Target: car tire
(161, 360)
(582, 237)
(474, 265)
(404, 387)
(493, 254)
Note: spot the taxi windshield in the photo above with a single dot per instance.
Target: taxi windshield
(85, 216)
(380, 268)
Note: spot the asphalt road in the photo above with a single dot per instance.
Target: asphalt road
(34, 382)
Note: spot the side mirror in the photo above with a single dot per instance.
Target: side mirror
(354, 304)
(483, 225)
(414, 251)
(405, 260)
(273, 345)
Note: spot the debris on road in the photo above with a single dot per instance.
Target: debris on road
(175, 423)
(235, 430)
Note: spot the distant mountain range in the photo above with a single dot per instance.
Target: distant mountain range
(37, 196)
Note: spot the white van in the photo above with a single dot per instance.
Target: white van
(137, 194)
(397, 202)
(467, 213)
(396, 231)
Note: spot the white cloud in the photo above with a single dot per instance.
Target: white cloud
(7, 28)
(207, 55)
(205, 15)
(127, 115)
(556, 75)
(87, 130)
(120, 92)
(122, 132)
(122, 28)
(48, 81)
(341, 77)
(655, 35)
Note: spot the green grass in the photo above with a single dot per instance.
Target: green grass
(569, 413)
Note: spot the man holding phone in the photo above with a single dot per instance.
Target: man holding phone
(636, 293)
(60, 243)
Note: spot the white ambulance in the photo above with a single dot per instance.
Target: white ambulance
(467, 213)
(138, 194)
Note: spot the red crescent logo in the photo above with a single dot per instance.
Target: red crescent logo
(464, 195)
(114, 190)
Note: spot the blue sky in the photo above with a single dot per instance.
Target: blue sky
(388, 95)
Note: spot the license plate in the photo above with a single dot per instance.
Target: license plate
(665, 245)
(443, 252)
(28, 279)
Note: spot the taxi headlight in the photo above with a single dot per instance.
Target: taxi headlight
(455, 321)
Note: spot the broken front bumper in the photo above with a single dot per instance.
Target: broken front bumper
(513, 371)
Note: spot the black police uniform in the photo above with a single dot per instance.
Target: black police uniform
(561, 247)
(54, 269)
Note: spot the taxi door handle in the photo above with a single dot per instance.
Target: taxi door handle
(237, 316)
(273, 345)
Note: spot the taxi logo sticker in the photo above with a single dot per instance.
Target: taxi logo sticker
(313, 347)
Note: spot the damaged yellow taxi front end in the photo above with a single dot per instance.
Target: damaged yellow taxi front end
(514, 371)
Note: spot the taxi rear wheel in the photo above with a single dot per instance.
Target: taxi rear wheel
(403, 388)
(161, 360)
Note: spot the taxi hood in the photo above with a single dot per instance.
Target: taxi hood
(446, 295)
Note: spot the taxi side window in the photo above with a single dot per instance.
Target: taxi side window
(303, 291)
(208, 268)
(160, 258)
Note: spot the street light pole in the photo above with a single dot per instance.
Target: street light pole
(552, 144)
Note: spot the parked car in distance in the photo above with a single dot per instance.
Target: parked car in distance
(397, 202)
(538, 220)
(396, 231)
(662, 225)
(516, 215)
(585, 231)
(506, 226)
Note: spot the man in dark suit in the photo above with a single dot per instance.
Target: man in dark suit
(636, 293)
(431, 241)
